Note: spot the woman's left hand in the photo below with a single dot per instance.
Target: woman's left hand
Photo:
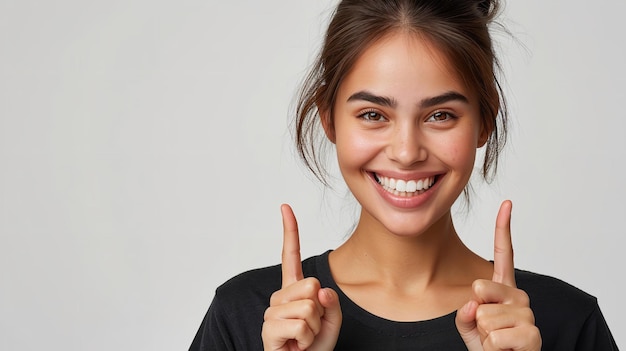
(499, 315)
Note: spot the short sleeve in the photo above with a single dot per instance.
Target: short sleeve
(595, 334)
(213, 333)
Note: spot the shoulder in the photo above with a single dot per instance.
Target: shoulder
(564, 314)
(545, 290)
(235, 317)
(258, 280)
(259, 284)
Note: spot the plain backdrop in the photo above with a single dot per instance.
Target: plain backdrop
(145, 150)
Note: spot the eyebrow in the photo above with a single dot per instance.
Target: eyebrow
(443, 98)
(425, 103)
(375, 99)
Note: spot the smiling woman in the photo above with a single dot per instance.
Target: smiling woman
(144, 153)
(407, 93)
(406, 144)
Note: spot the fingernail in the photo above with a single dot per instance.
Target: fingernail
(468, 306)
(327, 293)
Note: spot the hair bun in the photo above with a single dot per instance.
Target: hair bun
(486, 6)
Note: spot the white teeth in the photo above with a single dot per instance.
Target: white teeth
(405, 187)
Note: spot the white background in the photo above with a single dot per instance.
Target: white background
(144, 153)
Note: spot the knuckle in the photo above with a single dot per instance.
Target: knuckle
(485, 325)
(481, 313)
(495, 340)
(478, 286)
(275, 299)
(267, 330)
(309, 307)
(491, 342)
(484, 317)
(267, 315)
(523, 298)
(503, 250)
(311, 286)
(529, 316)
(536, 337)
(533, 337)
(300, 327)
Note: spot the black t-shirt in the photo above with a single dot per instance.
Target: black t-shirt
(568, 318)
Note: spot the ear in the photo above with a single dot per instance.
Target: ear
(485, 132)
(482, 139)
(327, 124)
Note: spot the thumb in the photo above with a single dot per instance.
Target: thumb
(330, 301)
(331, 321)
(466, 325)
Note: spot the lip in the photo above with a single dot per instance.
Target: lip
(404, 201)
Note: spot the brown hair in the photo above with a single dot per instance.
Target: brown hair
(459, 28)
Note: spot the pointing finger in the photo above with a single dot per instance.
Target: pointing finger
(503, 266)
(291, 262)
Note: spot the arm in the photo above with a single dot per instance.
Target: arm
(213, 333)
(595, 334)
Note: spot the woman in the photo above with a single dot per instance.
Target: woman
(406, 91)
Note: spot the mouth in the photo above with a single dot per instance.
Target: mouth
(405, 188)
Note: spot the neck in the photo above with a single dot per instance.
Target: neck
(374, 254)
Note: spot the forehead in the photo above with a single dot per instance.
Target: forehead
(403, 65)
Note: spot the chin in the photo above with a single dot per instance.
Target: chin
(404, 225)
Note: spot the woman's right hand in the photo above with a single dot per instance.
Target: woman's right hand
(302, 315)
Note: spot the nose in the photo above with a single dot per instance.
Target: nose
(407, 146)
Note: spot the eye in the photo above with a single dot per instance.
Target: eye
(372, 116)
(441, 116)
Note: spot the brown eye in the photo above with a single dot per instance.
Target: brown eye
(372, 116)
(440, 116)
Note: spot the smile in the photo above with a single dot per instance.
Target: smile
(407, 188)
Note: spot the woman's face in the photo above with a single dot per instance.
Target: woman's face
(406, 132)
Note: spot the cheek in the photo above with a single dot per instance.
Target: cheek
(351, 148)
(459, 149)
(466, 157)
(355, 149)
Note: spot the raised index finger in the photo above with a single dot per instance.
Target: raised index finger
(291, 262)
(503, 266)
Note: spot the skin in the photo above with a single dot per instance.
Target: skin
(400, 112)
(302, 315)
